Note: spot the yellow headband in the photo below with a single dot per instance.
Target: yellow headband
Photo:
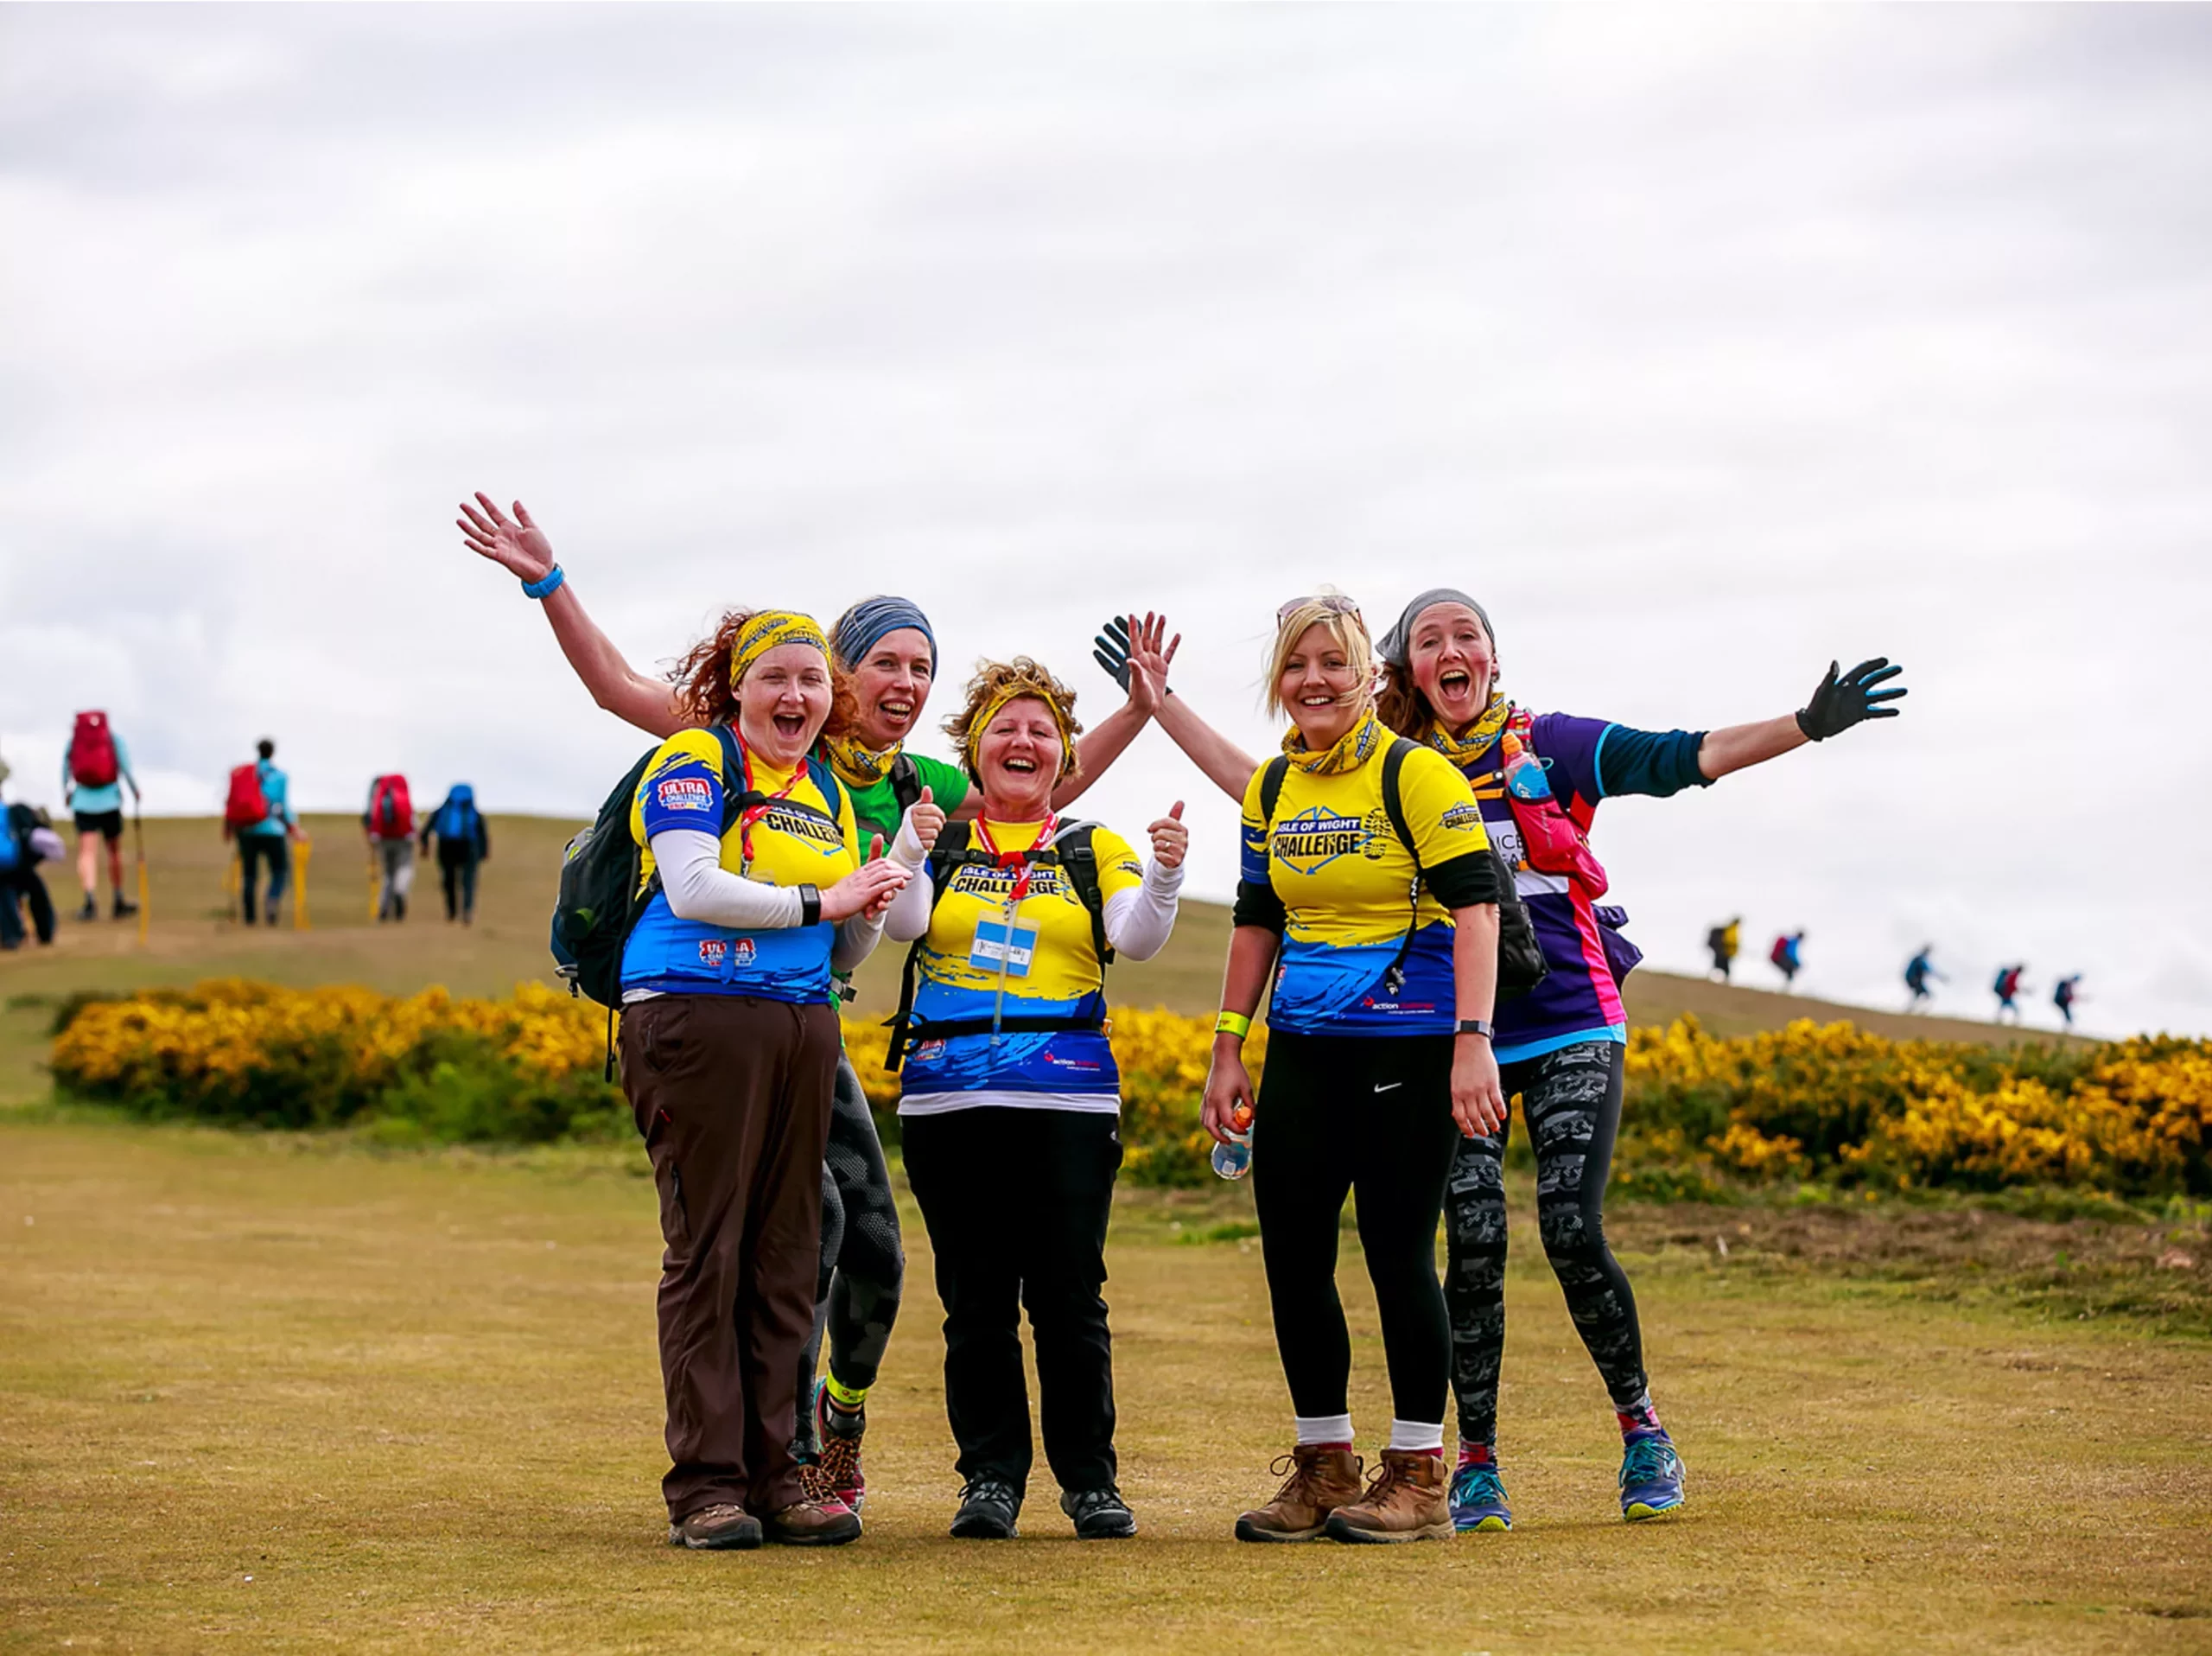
(768, 629)
(1017, 691)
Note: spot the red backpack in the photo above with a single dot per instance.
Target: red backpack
(91, 752)
(246, 805)
(392, 813)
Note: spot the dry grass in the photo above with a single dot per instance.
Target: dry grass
(414, 1399)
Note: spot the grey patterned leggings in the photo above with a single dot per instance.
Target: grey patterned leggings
(863, 1264)
(1571, 1100)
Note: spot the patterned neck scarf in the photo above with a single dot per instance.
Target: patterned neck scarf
(1352, 750)
(1465, 750)
(856, 766)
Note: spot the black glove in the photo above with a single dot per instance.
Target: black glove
(1110, 650)
(1839, 703)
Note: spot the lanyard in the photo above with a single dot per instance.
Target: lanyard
(1006, 860)
(752, 813)
(1017, 859)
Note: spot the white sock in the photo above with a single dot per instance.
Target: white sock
(1417, 1435)
(1323, 1428)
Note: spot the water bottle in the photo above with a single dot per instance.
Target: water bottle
(1524, 772)
(1234, 1159)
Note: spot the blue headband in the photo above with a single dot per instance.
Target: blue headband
(860, 627)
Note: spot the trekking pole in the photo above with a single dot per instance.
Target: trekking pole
(230, 888)
(300, 893)
(138, 837)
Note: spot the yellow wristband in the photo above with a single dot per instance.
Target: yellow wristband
(1233, 1023)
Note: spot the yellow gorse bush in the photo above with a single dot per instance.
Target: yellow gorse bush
(2133, 1116)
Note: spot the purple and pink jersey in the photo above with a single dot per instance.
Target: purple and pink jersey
(1586, 761)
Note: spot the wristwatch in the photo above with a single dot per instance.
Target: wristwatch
(1476, 1026)
(809, 906)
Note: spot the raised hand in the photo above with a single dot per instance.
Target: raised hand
(1839, 703)
(517, 545)
(1171, 840)
(925, 819)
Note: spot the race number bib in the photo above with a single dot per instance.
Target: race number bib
(998, 945)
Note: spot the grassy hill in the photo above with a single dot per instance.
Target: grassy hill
(192, 936)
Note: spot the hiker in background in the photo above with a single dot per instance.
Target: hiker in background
(389, 826)
(2065, 995)
(464, 840)
(1724, 942)
(27, 839)
(93, 770)
(1788, 956)
(258, 814)
(1920, 973)
(2007, 987)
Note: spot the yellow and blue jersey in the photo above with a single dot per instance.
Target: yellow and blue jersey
(1041, 955)
(1331, 873)
(805, 837)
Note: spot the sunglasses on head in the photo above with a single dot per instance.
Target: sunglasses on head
(1335, 602)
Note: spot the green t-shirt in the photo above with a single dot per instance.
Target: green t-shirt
(876, 806)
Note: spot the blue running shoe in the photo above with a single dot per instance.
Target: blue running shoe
(1478, 1500)
(1651, 1477)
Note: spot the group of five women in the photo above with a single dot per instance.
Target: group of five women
(783, 829)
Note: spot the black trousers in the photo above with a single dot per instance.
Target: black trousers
(457, 873)
(863, 1264)
(1370, 1114)
(20, 886)
(1016, 1203)
(253, 850)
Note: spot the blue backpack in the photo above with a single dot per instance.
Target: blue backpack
(456, 817)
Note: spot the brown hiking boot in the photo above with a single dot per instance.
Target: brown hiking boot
(1322, 1479)
(814, 1524)
(1408, 1499)
(723, 1527)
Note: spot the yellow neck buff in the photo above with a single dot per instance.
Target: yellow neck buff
(1463, 750)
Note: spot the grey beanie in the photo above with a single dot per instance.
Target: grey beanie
(1397, 643)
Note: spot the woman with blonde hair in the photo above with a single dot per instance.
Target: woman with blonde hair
(1009, 1106)
(1368, 896)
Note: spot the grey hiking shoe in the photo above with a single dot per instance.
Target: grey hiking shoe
(988, 1509)
(1099, 1514)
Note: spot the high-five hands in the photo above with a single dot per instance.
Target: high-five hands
(1137, 654)
(1839, 703)
(517, 545)
(1171, 840)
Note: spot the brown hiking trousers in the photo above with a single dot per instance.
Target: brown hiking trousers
(732, 1094)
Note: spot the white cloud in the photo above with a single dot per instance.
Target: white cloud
(1706, 344)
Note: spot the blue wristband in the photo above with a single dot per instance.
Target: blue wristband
(546, 588)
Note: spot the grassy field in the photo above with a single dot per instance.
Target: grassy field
(191, 938)
(272, 1393)
(285, 1393)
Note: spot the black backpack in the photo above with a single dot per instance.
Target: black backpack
(603, 890)
(1070, 850)
(1520, 963)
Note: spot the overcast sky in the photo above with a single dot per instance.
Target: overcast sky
(1705, 345)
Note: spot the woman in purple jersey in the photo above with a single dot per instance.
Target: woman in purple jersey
(1560, 1046)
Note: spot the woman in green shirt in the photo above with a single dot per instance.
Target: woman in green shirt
(888, 651)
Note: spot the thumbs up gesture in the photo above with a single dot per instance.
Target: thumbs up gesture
(1170, 838)
(925, 820)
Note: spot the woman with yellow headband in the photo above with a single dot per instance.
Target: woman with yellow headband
(1010, 1102)
(730, 1051)
(885, 649)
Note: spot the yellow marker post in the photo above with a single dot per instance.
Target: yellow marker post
(231, 888)
(375, 908)
(300, 893)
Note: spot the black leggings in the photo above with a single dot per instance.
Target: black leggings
(1339, 1114)
(863, 1264)
(1571, 1100)
(457, 874)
